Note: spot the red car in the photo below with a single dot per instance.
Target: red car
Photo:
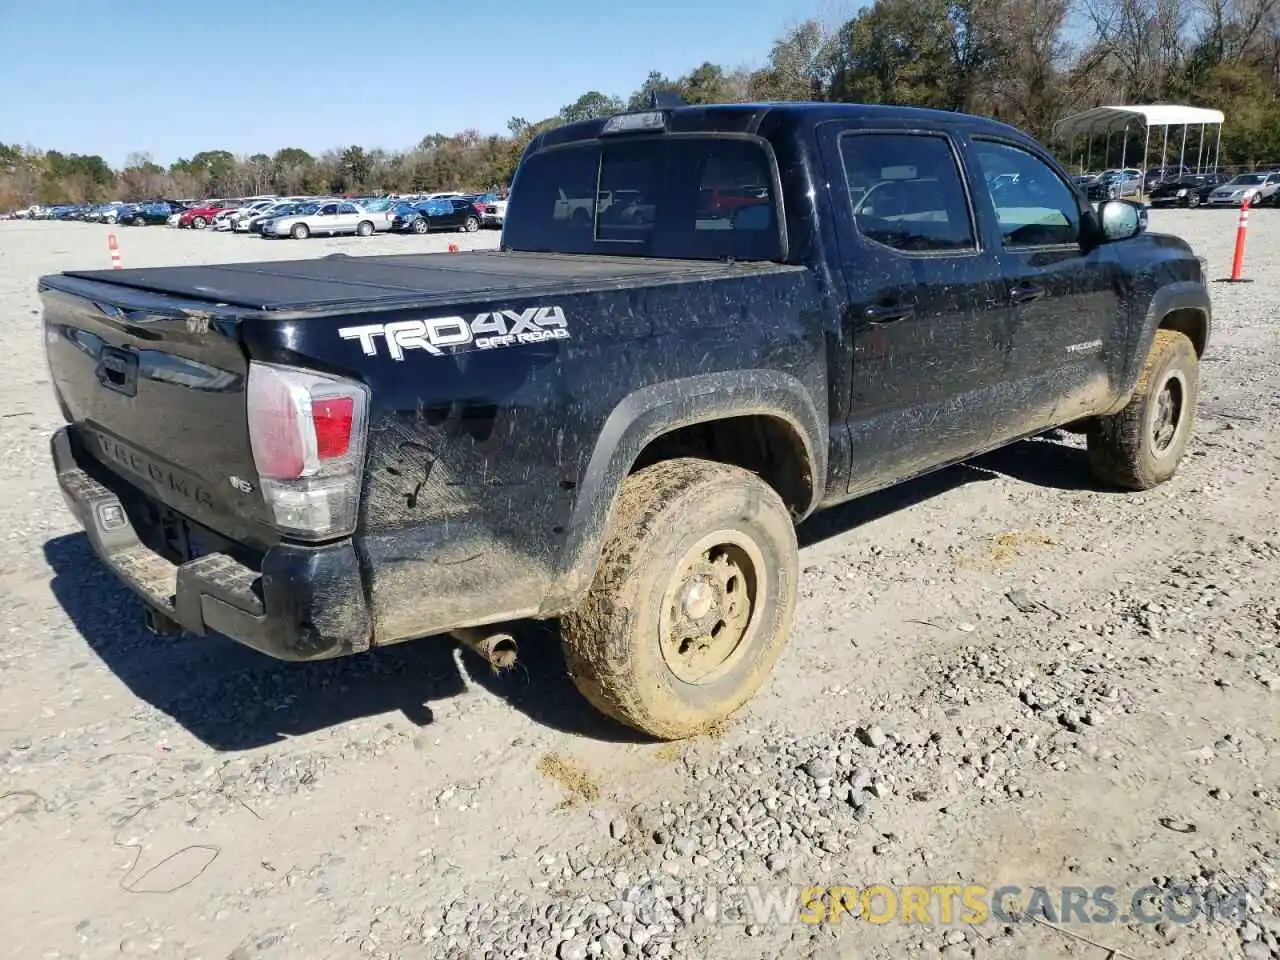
(723, 201)
(201, 215)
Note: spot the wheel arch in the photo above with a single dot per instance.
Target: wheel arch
(1183, 306)
(766, 403)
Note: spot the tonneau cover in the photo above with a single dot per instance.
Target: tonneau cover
(341, 280)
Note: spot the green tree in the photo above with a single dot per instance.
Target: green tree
(591, 105)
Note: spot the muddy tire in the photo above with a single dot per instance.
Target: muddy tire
(692, 602)
(1140, 446)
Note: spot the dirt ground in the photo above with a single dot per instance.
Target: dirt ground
(999, 674)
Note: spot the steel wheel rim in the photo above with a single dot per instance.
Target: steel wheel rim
(711, 607)
(1168, 413)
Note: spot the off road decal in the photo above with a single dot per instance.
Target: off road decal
(441, 335)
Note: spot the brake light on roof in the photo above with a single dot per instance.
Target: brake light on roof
(307, 432)
(635, 122)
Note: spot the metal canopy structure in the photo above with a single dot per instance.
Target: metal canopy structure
(1113, 119)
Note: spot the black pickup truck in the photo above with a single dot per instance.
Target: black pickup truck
(703, 325)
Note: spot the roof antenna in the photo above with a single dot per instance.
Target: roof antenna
(666, 100)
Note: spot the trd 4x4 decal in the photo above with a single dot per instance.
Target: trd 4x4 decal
(441, 335)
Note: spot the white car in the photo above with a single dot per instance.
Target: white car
(328, 217)
(266, 209)
(494, 213)
(242, 215)
(222, 220)
(382, 209)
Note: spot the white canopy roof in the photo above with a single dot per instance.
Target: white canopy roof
(1106, 119)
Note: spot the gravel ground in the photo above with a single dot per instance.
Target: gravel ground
(998, 675)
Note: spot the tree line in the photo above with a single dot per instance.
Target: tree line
(1026, 62)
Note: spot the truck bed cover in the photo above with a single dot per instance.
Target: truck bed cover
(341, 281)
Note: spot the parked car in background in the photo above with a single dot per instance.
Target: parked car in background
(1251, 186)
(158, 212)
(380, 209)
(108, 212)
(495, 211)
(445, 213)
(1188, 191)
(201, 215)
(230, 220)
(284, 208)
(330, 218)
(265, 211)
(724, 201)
(1115, 184)
(1158, 175)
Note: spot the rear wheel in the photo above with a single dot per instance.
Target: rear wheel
(199, 223)
(364, 229)
(1141, 446)
(300, 231)
(692, 602)
(472, 225)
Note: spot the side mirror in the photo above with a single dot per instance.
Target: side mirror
(1121, 219)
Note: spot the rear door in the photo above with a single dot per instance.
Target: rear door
(1064, 289)
(348, 218)
(927, 319)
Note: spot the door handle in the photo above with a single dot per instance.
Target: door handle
(888, 313)
(1026, 292)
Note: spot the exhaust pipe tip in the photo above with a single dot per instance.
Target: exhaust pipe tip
(497, 647)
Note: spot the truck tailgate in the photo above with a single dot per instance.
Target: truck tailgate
(155, 392)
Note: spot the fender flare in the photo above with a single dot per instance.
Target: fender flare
(660, 408)
(1180, 295)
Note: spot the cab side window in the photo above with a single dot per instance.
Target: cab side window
(1034, 207)
(907, 193)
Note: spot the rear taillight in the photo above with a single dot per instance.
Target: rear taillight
(307, 433)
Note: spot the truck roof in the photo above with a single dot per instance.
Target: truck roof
(788, 115)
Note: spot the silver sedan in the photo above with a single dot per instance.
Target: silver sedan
(328, 217)
(1254, 186)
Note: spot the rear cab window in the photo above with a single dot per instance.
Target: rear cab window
(700, 197)
(907, 193)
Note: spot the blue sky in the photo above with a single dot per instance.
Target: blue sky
(173, 77)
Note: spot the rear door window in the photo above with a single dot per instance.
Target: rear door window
(907, 193)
